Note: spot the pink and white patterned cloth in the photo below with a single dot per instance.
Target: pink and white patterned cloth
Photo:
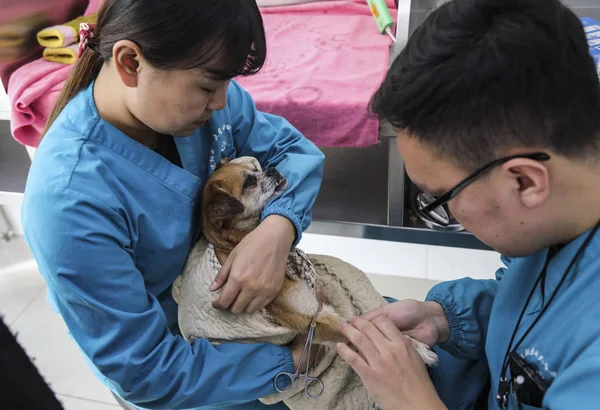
(324, 62)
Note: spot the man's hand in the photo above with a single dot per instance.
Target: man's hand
(424, 321)
(390, 368)
(254, 272)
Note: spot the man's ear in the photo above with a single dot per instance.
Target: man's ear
(532, 178)
(221, 207)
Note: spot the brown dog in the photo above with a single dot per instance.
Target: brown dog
(234, 197)
(233, 200)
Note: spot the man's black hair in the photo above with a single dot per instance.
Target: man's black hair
(479, 77)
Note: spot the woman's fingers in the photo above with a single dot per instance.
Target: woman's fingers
(256, 304)
(229, 293)
(241, 302)
(223, 274)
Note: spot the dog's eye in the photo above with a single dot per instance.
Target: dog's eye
(250, 182)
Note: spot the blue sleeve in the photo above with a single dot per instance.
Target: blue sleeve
(276, 143)
(467, 303)
(82, 248)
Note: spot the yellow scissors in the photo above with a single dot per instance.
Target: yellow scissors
(308, 380)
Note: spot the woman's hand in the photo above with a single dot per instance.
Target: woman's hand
(254, 272)
(390, 368)
(423, 321)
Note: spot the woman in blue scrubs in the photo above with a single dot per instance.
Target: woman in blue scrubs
(111, 204)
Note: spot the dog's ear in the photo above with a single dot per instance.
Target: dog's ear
(222, 206)
(223, 161)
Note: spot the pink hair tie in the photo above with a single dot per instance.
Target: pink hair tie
(86, 34)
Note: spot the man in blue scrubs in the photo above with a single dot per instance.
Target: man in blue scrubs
(497, 106)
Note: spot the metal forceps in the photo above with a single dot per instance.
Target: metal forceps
(292, 377)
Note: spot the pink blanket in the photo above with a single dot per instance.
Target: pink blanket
(32, 91)
(325, 60)
(56, 11)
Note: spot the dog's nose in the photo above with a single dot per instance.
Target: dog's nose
(272, 172)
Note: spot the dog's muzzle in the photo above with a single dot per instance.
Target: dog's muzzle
(276, 178)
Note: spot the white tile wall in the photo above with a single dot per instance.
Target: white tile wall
(407, 260)
(400, 287)
(13, 213)
(452, 263)
(30, 151)
(75, 403)
(4, 110)
(404, 259)
(379, 257)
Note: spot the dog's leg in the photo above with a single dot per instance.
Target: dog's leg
(329, 326)
(429, 357)
(328, 323)
(295, 306)
(329, 330)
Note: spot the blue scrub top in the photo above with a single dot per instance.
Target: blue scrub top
(563, 347)
(110, 224)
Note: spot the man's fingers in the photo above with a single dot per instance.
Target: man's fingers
(361, 341)
(355, 361)
(222, 276)
(388, 328)
(378, 339)
(382, 311)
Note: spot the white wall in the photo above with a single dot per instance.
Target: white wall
(4, 110)
(405, 259)
(13, 214)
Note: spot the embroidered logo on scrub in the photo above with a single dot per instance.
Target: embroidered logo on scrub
(535, 358)
(217, 145)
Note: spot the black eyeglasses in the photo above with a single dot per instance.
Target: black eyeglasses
(433, 207)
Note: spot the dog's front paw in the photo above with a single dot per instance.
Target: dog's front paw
(430, 358)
